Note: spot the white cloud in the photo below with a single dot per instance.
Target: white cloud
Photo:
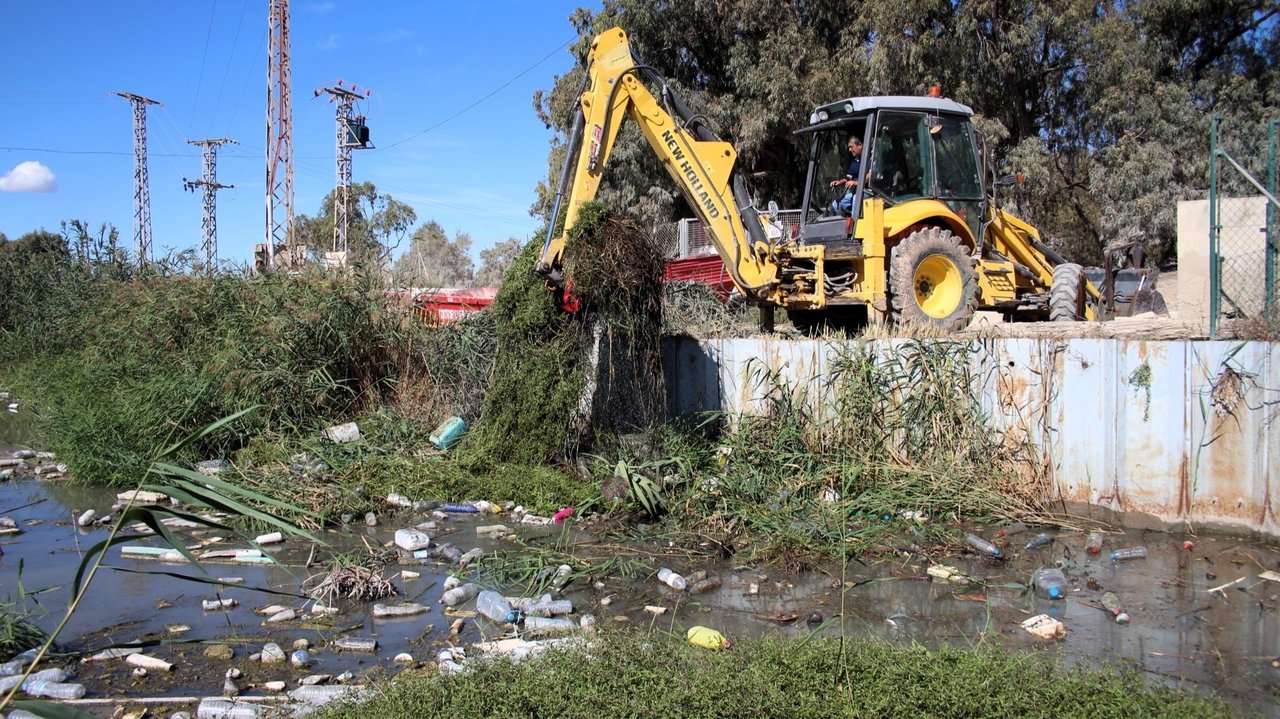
(330, 43)
(322, 8)
(29, 176)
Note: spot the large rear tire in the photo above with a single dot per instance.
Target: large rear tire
(932, 280)
(1067, 295)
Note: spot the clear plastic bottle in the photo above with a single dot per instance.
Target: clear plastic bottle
(982, 546)
(671, 579)
(1050, 583)
(1040, 540)
(1121, 555)
(470, 556)
(222, 709)
(553, 608)
(53, 690)
(542, 626)
(458, 595)
(1093, 544)
(319, 693)
(495, 607)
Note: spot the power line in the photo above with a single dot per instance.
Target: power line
(195, 106)
(500, 88)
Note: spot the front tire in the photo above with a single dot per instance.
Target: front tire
(1067, 295)
(932, 280)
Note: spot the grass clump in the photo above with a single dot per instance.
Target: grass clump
(17, 632)
(636, 674)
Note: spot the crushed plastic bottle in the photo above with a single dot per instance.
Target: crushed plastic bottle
(458, 595)
(222, 709)
(553, 608)
(982, 546)
(543, 626)
(671, 579)
(495, 607)
(1121, 555)
(1040, 540)
(53, 690)
(1093, 544)
(1050, 583)
(1112, 604)
(355, 644)
(470, 556)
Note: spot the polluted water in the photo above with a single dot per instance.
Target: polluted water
(1165, 613)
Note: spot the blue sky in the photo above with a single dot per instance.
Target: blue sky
(472, 169)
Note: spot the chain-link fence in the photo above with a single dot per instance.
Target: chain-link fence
(1243, 252)
(688, 238)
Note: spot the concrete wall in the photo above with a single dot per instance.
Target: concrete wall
(1183, 431)
(1242, 245)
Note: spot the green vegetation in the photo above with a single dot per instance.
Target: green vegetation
(637, 674)
(17, 632)
(904, 438)
(533, 412)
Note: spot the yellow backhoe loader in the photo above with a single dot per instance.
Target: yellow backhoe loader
(915, 236)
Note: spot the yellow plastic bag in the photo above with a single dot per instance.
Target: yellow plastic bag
(707, 638)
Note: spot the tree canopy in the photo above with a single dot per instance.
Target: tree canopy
(1104, 105)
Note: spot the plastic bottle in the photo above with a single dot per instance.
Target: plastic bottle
(564, 574)
(495, 607)
(356, 644)
(549, 608)
(1093, 544)
(1010, 529)
(222, 709)
(319, 693)
(1040, 540)
(549, 625)
(671, 579)
(470, 556)
(53, 690)
(1050, 583)
(1121, 555)
(49, 675)
(458, 595)
(982, 546)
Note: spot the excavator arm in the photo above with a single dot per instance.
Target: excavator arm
(702, 166)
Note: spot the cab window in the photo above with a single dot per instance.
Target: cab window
(900, 157)
(957, 166)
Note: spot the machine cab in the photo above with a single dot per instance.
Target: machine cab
(912, 148)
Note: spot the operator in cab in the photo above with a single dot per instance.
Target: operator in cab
(852, 176)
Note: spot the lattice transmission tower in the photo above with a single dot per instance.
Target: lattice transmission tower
(280, 230)
(209, 182)
(141, 181)
(352, 134)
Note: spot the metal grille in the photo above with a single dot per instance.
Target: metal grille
(1243, 212)
(689, 238)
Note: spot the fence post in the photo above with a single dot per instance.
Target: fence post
(1271, 217)
(1215, 279)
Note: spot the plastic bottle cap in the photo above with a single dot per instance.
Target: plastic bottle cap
(1054, 592)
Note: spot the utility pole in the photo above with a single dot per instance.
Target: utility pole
(352, 133)
(141, 182)
(209, 181)
(280, 230)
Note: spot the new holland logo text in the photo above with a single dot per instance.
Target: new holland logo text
(695, 184)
